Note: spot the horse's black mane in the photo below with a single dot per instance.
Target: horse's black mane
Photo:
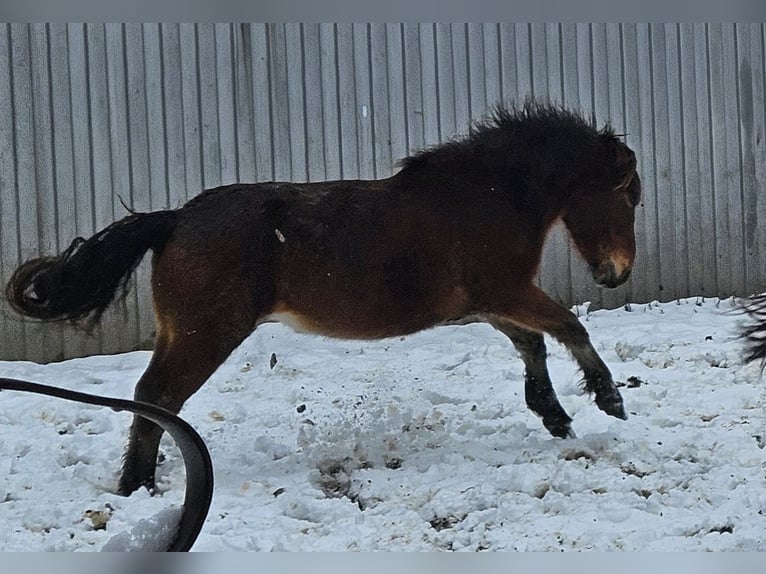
(507, 125)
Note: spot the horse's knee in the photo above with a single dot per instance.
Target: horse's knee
(571, 333)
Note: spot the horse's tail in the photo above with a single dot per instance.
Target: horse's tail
(755, 332)
(82, 281)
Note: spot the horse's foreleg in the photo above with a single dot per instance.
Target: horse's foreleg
(538, 390)
(536, 311)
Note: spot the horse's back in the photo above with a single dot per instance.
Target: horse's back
(344, 258)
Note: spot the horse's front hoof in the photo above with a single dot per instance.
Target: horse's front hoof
(612, 405)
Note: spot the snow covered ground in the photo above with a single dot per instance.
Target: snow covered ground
(415, 443)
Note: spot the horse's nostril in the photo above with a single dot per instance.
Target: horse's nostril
(603, 272)
(606, 274)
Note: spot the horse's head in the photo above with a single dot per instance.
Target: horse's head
(600, 217)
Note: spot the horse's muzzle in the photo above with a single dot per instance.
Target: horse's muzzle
(606, 274)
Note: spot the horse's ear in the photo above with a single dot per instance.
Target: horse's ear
(625, 165)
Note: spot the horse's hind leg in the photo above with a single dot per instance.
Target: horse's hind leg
(538, 390)
(140, 458)
(204, 311)
(179, 367)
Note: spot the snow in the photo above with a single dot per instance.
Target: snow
(415, 443)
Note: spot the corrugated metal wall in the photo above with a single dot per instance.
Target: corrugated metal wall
(92, 116)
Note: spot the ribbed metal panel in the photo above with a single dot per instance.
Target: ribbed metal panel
(94, 116)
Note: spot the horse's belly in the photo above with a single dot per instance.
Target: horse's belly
(350, 325)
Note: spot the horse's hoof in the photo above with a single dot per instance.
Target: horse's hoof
(560, 429)
(612, 406)
(126, 488)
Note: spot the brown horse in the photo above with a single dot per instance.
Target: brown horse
(455, 236)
